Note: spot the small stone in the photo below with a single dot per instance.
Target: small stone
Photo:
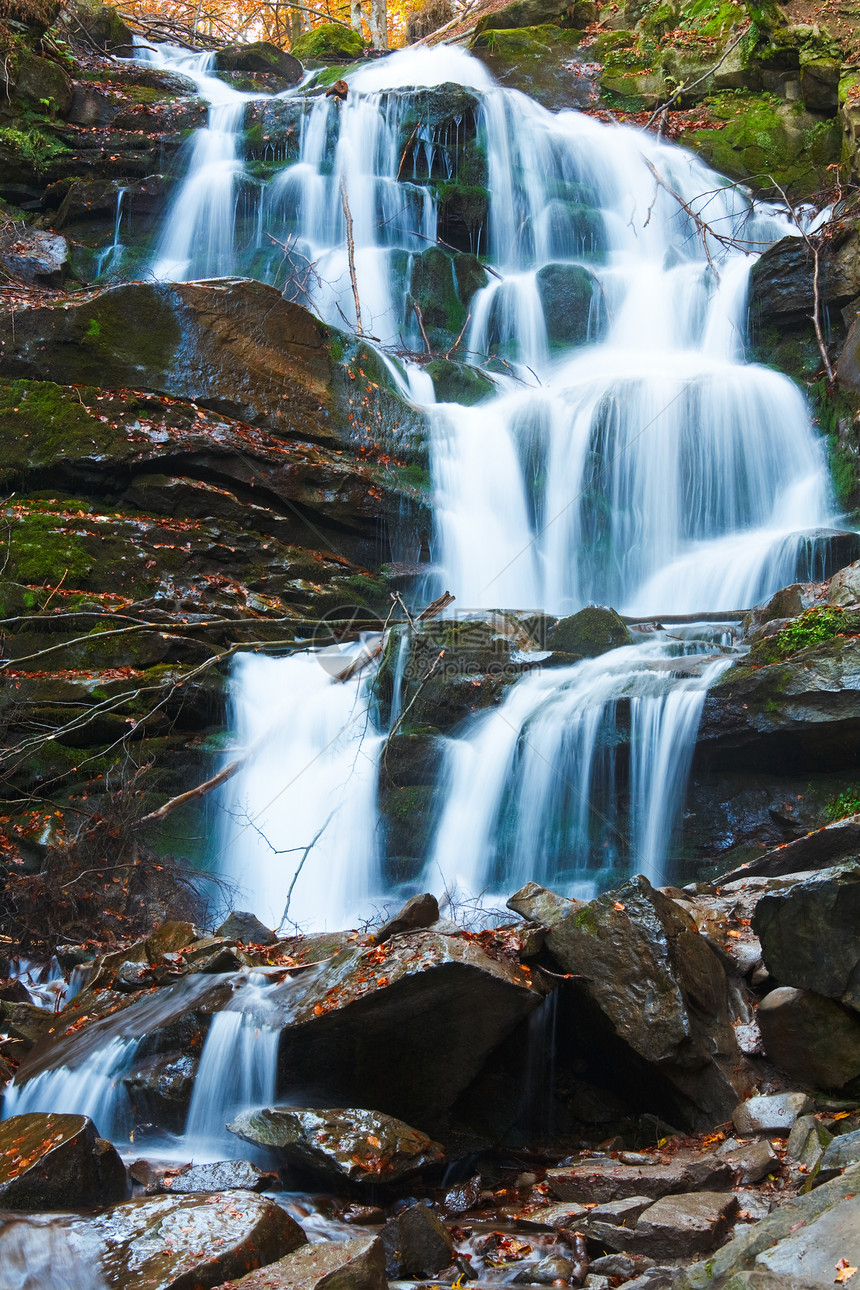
(808, 1142)
(595, 1281)
(247, 928)
(753, 1161)
(344, 1143)
(539, 905)
(223, 1175)
(771, 1113)
(623, 1212)
(555, 1267)
(548, 1218)
(420, 911)
(752, 1205)
(170, 936)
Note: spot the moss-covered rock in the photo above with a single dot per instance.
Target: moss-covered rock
(591, 632)
(42, 84)
(536, 60)
(568, 295)
(765, 139)
(260, 56)
(458, 382)
(105, 27)
(433, 287)
(330, 43)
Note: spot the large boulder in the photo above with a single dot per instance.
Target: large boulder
(800, 712)
(660, 989)
(801, 1244)
(330, 42)
(567, 293)
(588, 633)
(57, 1162)
(346, 1145)
(233, 344)
(810, 933)
(376, 1025)
(812, 1038)
(357, 1264)
(260, 56)
(180, 1242)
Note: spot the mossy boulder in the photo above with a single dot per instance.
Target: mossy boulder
(433, 287)
(105, 27)
(591, 632)
(535, 13)
(330, 43)
(262, 57)
(42, 84)
(764, 137)
(458, 382)
(568, 294)
(537, 61)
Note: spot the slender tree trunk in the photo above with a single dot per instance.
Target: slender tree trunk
(355, 15)
(378, 23)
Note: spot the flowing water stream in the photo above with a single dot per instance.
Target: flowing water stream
(641, 462)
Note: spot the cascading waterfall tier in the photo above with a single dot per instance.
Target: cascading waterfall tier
(629, 456)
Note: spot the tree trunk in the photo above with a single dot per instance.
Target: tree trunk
(378, 23)
(355, 15)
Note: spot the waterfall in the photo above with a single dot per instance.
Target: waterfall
(631, 456)
(237, 1070)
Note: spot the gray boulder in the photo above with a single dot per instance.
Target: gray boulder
(377, 1025)
(539, 905)
(770, 1113)
(661, 989)
(358, 1264)
(179, 1242)
(247, 928)
(812, 1038)
(810, 933)
(607, 1180)
(802, 1242)
(355, 1145)
(677, 1227)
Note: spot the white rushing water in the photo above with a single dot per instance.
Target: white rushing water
(631, 456)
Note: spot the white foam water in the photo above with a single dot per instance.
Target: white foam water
(644, 464)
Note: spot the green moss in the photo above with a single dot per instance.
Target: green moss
(586, 920)
(31, 146)
(330, 43)
(812, 627)
(765, 138)
(847, 803)
(39, 422)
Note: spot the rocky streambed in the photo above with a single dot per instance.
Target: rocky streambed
(653, 1088)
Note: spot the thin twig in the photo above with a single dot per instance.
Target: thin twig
(350, 250)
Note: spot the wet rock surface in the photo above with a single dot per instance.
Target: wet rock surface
(57, 1162)
(357, 1264)
(347, 1145)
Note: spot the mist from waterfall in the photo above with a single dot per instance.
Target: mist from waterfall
(642, 463)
